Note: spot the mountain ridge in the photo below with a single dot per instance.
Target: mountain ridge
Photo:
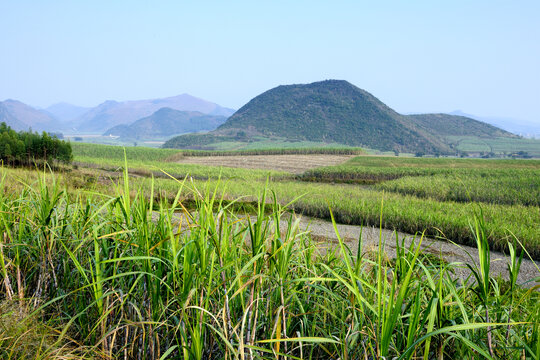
(20, 116)
(65, 117)
(111, 113)
(167, 121)
(338, 112)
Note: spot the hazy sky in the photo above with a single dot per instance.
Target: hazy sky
(482, 57)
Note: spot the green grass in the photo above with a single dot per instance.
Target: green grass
(471, 144)
(148, 161)
(432, 194)
(442, 163)
(83, 150)
(495, 187)
(112, 152)
(228, 143)
(373, 169)
(263, 143)
(462, 180)
(100, 275)
(406, 213)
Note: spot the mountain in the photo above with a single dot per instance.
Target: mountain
(112, 113)
(66, 112)
(166, 122)
(335, 111)
(9, 119)
(20, 116)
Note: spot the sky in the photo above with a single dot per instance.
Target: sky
(481, 57)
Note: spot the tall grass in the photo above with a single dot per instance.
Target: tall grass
(410, 214)
(121, 276)
(521, 187)
(270, 151)
(153, 154)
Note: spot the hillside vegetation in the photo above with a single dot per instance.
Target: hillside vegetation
(338, 112)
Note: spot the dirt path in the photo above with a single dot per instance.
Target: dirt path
(324, 231)
(295, 164)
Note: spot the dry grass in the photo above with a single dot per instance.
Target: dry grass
(295, 164)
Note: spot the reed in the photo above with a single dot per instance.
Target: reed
(124, 275)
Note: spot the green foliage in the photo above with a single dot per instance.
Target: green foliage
(463, 180)
(496, 187)
(195, 141)
(331, 111)
(272, 151)
(25, 148)
(431, 194)
(166, 154)
(109, 275)
(208, 142)
(111, 152)
(159, 163)
(499, 146)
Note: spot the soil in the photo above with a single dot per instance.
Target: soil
(295, 164)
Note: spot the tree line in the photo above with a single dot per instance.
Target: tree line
(26, 147)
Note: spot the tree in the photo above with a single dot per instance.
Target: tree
(23, 148)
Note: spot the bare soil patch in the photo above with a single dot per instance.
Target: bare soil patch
(295, 164)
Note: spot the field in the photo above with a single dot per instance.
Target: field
(498, 146)
(295, 164)
(438, 196)
(149, 258)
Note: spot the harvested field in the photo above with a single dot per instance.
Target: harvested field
(295, 164)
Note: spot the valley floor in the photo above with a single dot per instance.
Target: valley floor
(295, 164)
(95, 263)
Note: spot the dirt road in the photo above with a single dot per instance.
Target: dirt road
(323, 233)
(452, 253)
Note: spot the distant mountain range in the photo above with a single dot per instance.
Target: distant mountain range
(23, 117)
(331, 112)
(64, 117)
(335, 111)
(112, 113)
(166, 122)
(65, 112)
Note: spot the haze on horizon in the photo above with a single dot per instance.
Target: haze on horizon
(417, 56)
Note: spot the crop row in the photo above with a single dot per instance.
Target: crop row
(450, 163)
(103, 276)
(160, 168)
(111, 152)
(360, 206)
(150, 154)
(508, 187)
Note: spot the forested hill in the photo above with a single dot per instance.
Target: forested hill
(335, 111)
